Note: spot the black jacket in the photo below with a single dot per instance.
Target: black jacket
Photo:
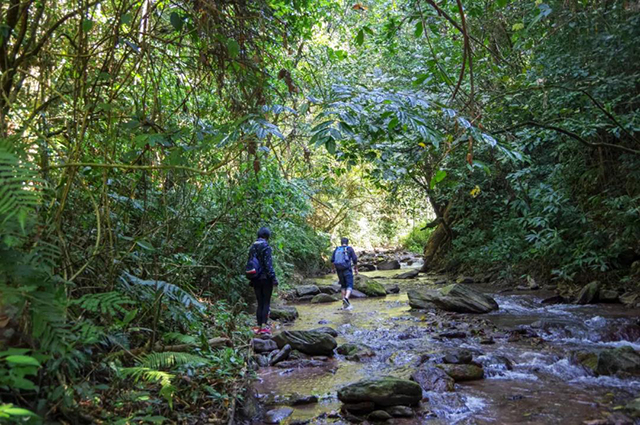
(264, 252)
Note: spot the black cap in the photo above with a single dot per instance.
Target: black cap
(344, 241)
(264, 233)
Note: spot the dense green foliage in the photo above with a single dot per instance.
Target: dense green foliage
(143, 143)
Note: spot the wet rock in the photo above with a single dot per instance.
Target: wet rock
(452, 334)
(262, 361)
(487, 340)
(306, 290)
(308, 342)
(276, 416)
(622, 361)
(589, 293)
(379, 416)
(411, 274)
(384, 391)
(305, 298)
(556, 299)
(296, 399)
(359, 408)
(392, 288)
(284, 314)
(440, 282)
(552, 323)
(326, 330)
(355, 352)
(323, 298)
(357, 294)
(457, 298)
(458, 357)
(608, 296)
(369, 286)
(329, 289)
(400, 411)
(280, 355)
(389, 265)
(263, 345)
(462, 372)
(626, 332)
(465, 279)
(366, 267)
(431, 378)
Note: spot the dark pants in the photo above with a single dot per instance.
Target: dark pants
(346, 278)
(263, 290)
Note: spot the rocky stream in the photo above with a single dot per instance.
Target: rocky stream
(428, 349)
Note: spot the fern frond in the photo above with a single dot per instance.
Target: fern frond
(107, 303)
(175, 293)
(179, 337)
(146, 374)
(19, 192)
(167, 359)
(150, 375)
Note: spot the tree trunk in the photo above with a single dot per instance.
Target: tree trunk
(437, 239)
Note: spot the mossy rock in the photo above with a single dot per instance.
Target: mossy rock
(369, 286)
(308, 342)
(384, 392)
(323, 298)
(462, 372)
(284, 314)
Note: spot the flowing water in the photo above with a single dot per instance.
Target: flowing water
(528, 379)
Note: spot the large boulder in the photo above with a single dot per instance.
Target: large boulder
(306, 290)
(624, 361)
(284, 314)
(385, 391)
(308, 342)
(323, 298)
(330, 289)
(369, 286)
(389, 265)
(589, 293)
(462, 372)
(457, 298)
(431, 378)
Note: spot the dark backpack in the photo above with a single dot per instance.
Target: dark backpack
(254, 269)
(342, 261)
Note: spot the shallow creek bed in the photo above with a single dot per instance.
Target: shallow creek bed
(537, 363)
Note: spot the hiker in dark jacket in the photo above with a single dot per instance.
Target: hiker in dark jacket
(263, 285)
(343, 257)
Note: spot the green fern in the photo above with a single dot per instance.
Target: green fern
(173, 292)
(178, 337)
(19, 191)
(106, 303)
(169, 359)
(138, 373)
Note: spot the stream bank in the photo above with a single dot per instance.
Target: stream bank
(535, 359)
